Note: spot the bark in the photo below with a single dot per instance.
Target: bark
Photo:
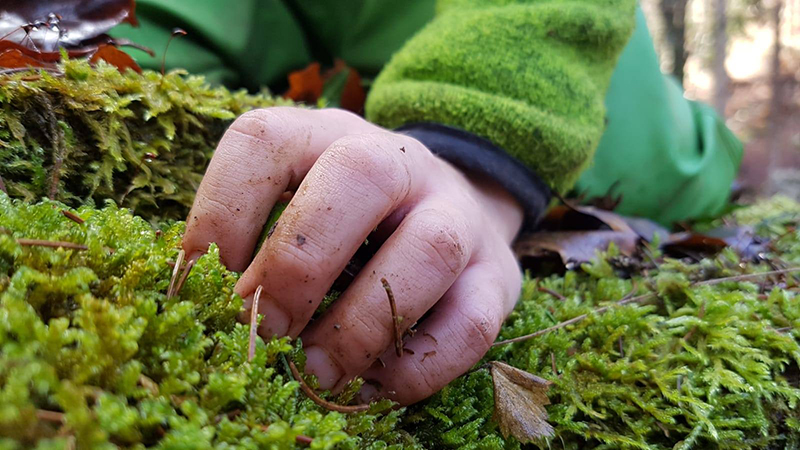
(776, 84)
(721, 78)
(674, 12)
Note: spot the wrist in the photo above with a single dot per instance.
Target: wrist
(503, 210)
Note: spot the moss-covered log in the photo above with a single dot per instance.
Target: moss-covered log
(83, 135)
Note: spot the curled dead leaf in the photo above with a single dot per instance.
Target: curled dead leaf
(574, 247)
(519, 401)
(78, 21)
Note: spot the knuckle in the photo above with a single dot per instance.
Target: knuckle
(481, 326)
(366, 159)
(264, 124)
(295, 261)
(426, 380)
(444, 237)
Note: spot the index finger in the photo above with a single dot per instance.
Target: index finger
(262, 154)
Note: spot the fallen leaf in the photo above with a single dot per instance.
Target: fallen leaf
(115, 57)
(519, 401)
(743, 240)
(305, 85)
(14, 59)
(574, 247)
(78, 21)
(353, 95)
(590, 218)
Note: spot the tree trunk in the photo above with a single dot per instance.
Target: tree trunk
(721, 78)
(674, 12)
(776, 85)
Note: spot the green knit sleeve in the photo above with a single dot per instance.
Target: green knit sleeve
(530, 76)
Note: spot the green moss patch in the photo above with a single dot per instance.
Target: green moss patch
(83, 135)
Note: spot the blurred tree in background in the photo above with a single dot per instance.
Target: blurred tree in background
(742, 57)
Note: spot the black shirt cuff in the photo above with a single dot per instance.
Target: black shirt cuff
(476, 154)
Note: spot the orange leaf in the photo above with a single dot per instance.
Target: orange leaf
(14, 59)
(305, 85)
(353, 95)
(115, 57)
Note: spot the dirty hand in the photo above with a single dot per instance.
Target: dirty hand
(446, 252)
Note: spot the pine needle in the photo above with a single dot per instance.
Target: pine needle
(251, 350)
(321, 401)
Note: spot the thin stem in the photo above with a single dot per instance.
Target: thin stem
(52, 244)
(551, 292)
(175, 32)
(319, 400)
(50, 416)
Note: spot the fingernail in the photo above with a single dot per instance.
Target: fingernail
(194, 255)
(368, 393)
(275, 321)
(321, 365)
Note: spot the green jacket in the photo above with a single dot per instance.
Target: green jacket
(572, 90)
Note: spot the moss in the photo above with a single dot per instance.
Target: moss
(700, 367)
(91, 334)
(86, 135)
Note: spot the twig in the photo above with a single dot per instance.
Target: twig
(184, 276)
(398, 335)
(72, 216)
(575, 319)
(553, 363)
(52, 244)
(175, 270)
(3, 186)
(745, 277)
(50, 416)
(551, 292)
(639, 299)
(319, 400)
(147, 383)
(251, 350)
(303, 439)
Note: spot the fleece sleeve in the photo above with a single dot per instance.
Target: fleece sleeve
(529, 77)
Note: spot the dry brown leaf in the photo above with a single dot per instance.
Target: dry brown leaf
(78, 21)
(574, 247)
(519, 401)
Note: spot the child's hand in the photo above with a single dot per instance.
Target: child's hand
(446, 254)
